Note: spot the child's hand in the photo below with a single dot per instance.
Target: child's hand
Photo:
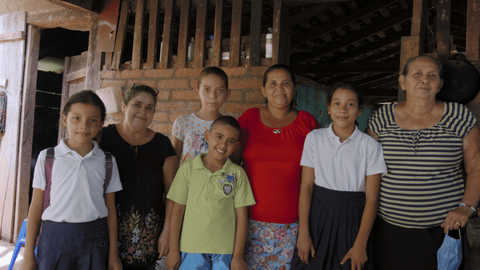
(173, 260)
(238, 264)
(29, 263)
(163, 244)
(305, 246)
(358, 257)
(114, 263)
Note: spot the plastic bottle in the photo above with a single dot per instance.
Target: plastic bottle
(191, 49)
(268, 44)
(160, 54)
(210, 49)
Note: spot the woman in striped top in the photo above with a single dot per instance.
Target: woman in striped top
(424, 143)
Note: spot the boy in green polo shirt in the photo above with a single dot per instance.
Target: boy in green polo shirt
(211, 194)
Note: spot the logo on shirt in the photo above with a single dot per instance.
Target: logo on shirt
(228, 184)
(227, 189)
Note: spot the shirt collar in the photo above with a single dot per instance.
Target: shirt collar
(356, 135)
(63, 149)
(198, 164)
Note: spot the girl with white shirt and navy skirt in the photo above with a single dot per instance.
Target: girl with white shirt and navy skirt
(341, 169)
(79, 228)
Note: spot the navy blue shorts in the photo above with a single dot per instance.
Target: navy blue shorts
(76, 246)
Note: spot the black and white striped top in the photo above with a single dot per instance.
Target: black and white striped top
(424, 179)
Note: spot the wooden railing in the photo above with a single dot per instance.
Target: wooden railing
(242, 50)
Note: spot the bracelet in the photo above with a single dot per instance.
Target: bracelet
(469, 206)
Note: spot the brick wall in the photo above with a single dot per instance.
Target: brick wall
(176, 91)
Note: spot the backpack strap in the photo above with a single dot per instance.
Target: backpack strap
(108, 170)
(49, 159)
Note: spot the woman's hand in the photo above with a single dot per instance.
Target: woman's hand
(305, 247)
(238, 264)
(358, 257)
(114, 263)
(173, 260)
(457, 218)
(163, 243)
(29, 263)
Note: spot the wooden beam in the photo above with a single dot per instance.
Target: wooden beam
(443, 30)
(92, 76)
(84, 6)
(473, 30)
(183, 34)
(107, 27)
(66, 71)
(410, 48)
(308, 13)
(60, 17)
(360, 35)
(76, 75)
(279, 32)
(358, 67)
(235, 34)
(199, 57)
(255, 34)
(419, 20)
(12, 36)
(217, 33)
(152, 52)
(120, 40)
(309, 35)
(365, 82)
(138, 35)
(27, 123)
(167, 41)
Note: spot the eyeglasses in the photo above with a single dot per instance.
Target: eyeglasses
(143, 87)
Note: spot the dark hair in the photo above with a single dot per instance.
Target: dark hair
(282, 67)
(87, 97)
(138, 88)
(213, 71)
(345, 85)
(226, 120)
(406, 68)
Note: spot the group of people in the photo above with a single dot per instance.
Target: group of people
(272, 190)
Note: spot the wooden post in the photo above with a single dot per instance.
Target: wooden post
(183, 34)
(443, 29)
(152, 52)
(107, 28)
(217, 34)
(200, 34)
(26, 126)
(255, 34)
(236, 33)
(166, 55)
(120, 39)
(419, 20)
(66, 70)
(410, 48)
(473, 30)
(138, 35)
(92, 77)
(279, 29)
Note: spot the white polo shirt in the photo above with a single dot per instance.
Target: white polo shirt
(76, 193)
(342, 166)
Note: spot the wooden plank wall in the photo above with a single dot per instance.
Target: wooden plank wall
(164, 30)
(12, 55)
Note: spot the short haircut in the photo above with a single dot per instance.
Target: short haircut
(138, 88)
(406, 69)
(345, 85)
(227, 120)
(212, 71)
(87, 97)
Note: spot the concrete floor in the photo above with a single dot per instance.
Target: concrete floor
(6, 252)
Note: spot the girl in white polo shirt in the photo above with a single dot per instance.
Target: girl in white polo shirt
(341, 169)
(79, 224)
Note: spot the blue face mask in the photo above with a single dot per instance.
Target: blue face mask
(449, 255)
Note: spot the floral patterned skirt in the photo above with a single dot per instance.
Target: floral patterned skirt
(270, 245)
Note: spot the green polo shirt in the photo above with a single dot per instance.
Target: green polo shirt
(210, 200)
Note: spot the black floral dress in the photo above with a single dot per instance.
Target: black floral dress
(140, 205)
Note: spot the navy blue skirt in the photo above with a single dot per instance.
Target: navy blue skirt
(335, 218)
(78, 246)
